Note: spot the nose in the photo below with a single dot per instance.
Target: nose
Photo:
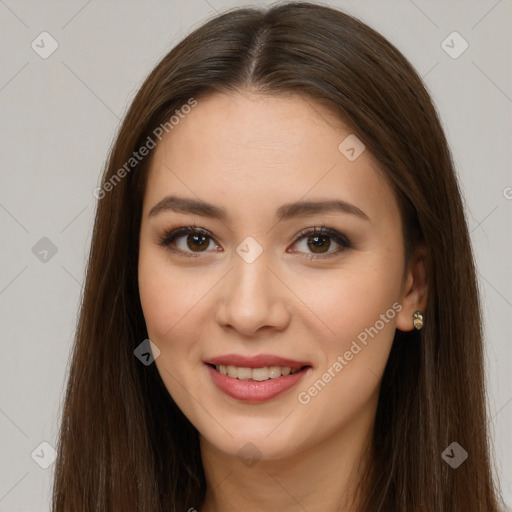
(253, 298)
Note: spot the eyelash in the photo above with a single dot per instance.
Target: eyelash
(170, 236)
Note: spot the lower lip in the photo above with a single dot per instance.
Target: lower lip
(252, 390)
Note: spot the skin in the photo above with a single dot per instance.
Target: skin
(232, 151)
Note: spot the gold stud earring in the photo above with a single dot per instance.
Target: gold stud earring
(418, 320)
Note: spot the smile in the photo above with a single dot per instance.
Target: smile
(255, 384)
(256, 374)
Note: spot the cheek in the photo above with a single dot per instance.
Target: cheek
(354, 352)
(355, 311)
(170, 305)
(346, 301)
(168, 297)
(159, 300)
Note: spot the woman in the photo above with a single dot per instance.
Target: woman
(281, 310)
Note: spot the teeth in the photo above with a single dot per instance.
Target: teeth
(258, 374)
(244, 373)
(277, 371)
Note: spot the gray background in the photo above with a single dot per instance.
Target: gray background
(60, 115)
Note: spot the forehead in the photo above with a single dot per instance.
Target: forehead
(252, 152)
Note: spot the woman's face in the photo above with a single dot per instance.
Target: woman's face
(301, 322)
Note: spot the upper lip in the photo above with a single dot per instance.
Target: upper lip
(259, 361)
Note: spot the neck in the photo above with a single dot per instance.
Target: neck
(323, 477)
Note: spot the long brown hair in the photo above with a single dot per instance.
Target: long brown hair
(124, 444)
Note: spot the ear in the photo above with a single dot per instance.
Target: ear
(415, 289)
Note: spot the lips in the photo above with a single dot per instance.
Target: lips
(258, 361)
(255, 389)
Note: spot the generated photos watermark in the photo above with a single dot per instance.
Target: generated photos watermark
(144, 150)
(305, 397)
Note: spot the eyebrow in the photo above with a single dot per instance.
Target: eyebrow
(287, 211)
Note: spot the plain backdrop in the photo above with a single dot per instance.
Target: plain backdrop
(59, 116)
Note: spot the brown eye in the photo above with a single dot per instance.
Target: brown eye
(319, 241)
(196, 240)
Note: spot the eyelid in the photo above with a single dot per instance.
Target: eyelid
(339, 238)
(321, 230)
(172, 234)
